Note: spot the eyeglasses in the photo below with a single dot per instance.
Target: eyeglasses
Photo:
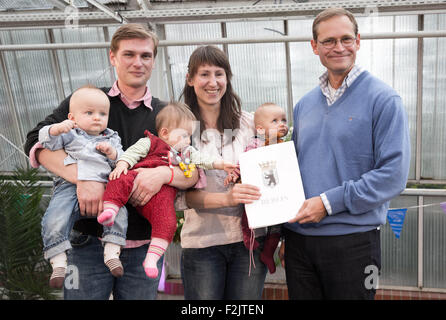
(331, 43)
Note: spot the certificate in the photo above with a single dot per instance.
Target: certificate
(275, 170)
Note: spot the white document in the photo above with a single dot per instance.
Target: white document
(275, 170)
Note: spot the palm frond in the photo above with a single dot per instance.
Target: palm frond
(23, 271)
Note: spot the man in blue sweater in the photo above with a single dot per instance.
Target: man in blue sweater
(352, 140)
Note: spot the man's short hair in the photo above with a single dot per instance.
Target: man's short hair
(133, 31)
(330, 13)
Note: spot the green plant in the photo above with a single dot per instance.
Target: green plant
(23, 271)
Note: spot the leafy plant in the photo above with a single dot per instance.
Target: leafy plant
(23, 271)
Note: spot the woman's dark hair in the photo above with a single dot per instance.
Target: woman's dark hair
(230, 110)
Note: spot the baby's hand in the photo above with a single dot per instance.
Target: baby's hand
(232, 170)
(228, 180)
(62, 127)
(121, 167)
(232, 177)
(229, 167)
(107, 149)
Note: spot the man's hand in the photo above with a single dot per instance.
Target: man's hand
(147, 183)
(312, 210)
(89, 195)
(53, 162)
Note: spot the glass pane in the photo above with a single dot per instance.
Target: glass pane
(259, 69)
(82, 66)
(179, 56)
(10, 137)
(434, 249)
(433, 165)
(305, 65)
(32, 80)
(399, 256)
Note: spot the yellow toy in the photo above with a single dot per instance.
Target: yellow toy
(187, 168)
(185, 165)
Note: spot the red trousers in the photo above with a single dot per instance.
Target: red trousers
(160, 210)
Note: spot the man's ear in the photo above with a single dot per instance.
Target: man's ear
(314, 47)
(111, 56)
(358, 41)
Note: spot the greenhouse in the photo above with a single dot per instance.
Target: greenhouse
(50, 48)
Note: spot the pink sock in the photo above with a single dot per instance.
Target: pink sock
(156, 250)
(107, 217)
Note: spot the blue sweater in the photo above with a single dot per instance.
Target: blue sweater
(356, 151)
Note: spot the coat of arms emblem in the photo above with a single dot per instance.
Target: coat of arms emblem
(270, 176)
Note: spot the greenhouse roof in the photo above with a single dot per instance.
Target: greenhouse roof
(25, 13)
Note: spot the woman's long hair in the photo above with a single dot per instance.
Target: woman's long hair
(230, 110)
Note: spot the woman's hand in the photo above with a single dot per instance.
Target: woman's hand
(239, 193)
(242, 193)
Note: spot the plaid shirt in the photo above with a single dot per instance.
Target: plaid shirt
(323, 83)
